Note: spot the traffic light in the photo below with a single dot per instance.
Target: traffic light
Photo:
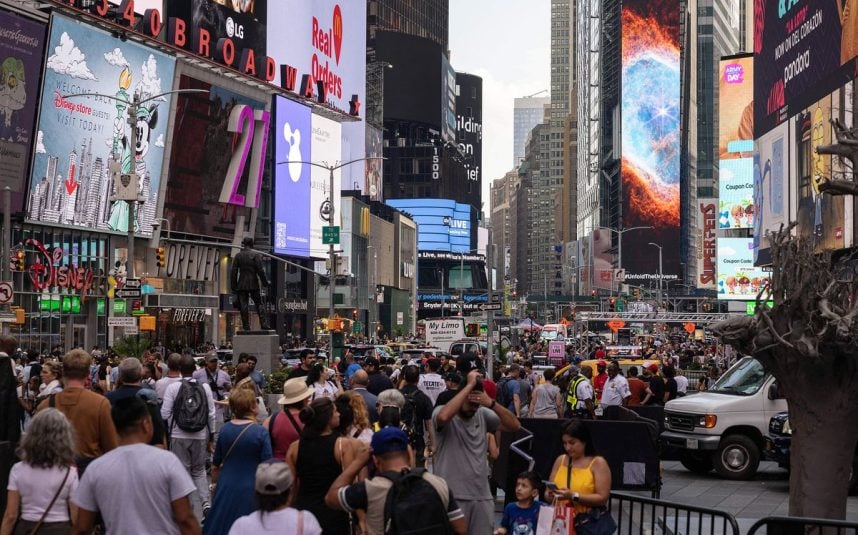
(161, 256)
(613, 304)
(355, 314)
(16, 260)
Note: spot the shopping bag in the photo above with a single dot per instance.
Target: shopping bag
(561, 516)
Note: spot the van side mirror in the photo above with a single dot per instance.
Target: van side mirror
(775, 391)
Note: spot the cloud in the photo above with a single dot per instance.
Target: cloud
(116, 58)
(160, 141)
(40, 143)
(69, 60)
(150, 84)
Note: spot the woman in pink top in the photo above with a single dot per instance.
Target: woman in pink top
(285, 426)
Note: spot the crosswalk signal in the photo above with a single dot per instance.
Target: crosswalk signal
(161, 256)
(613, 304)
(16, 261)
(355, 314)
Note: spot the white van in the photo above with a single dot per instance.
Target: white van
(724, 427)
(554, 331)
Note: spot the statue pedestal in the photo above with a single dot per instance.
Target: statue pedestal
(264, 345)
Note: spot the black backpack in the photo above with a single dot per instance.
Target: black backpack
(409, 417)
(504, 397)
(191, 408)
(413, 506)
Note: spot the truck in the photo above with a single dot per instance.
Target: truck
(725, 427)
(441, 333)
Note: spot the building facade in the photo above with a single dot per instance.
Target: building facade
(527, 112)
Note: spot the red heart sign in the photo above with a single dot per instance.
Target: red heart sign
(338, 32)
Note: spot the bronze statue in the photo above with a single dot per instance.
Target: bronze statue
(245, 277)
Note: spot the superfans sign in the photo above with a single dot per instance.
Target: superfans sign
(234, 34)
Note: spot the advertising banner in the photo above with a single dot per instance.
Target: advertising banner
(820, 217)
(707, 246)
(603, 267)
(325, 39)
(373, 170)
(736, 142)
(803, 50)
(325, 147)
(354, 149)
(443, 224)
(22, 46)
(736, 193)
(293, 137)
(650, 137)
(71, 178)
(771, 187)
(738, 279)
(448, 101)
(203, 149)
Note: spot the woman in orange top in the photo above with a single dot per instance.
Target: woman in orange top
(581, 476)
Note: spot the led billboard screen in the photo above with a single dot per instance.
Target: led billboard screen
(202, 151)
(736, 142)
(292, 130)
(771, 187)
(736, 193)
(22, 47)
(442, 224)
(416, 78)
(738, 279)
(706, 243)
(71, 183)
(650, 137)
(803, 50)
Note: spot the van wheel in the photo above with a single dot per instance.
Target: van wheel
(737, 458)
(696, 462)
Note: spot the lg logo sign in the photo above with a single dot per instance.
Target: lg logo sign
(233, 29)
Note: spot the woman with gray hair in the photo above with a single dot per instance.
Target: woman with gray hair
(389, 405)
(41, 484)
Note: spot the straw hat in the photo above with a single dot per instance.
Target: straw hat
(295, 390)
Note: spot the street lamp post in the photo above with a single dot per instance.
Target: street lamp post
(331, 225)
(660, 272)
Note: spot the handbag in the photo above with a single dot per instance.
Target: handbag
(562, 521)
(596, 521)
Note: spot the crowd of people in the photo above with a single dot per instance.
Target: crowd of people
(206, 454)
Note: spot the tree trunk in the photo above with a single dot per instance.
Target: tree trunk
(824, 434)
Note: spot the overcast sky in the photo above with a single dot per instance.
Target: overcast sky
(506, 42)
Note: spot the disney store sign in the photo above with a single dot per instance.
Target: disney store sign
(48, 271)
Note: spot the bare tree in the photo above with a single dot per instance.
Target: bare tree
(847, 148)
(809, 341)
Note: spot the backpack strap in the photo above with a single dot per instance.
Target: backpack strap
(271, 426)
(52, 400)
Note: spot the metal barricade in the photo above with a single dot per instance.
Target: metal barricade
(788, 525)
(637, 515)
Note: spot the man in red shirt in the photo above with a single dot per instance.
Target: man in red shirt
(600, 378)
(637, 387)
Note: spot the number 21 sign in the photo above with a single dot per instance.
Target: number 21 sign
(252, 128)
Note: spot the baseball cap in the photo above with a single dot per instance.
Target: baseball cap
(273, 477)
(601, 363)
(211, 356)
(387, 440)
(371, 361)
(453, 377)
(466, 363)
(653, 368)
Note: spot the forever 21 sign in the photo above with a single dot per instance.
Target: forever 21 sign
(252, 128)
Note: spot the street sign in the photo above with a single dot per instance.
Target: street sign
(357, 327)
(128, 294)
(330, 235)
(131, 283)
(121, 321)
(494, 305)
(131, 330)
(6, 292)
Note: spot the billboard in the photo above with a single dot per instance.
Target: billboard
(71, 181)
(738, 279)
(707, 246)
(650, 136)
(373, 170)
(820, 217)
(448, 101)
(442, 224)
(203, 148)
(325, 147)
(736, 193)
(803, 50)
(416, 78)
(603, 259)
(224, 29)
(22, 46)
(771, 187)
(293, 137)
(736, 142)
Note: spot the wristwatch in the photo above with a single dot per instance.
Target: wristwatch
(576, 497)
(492, 406)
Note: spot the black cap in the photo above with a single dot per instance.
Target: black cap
(371, 361)
(453, 376)
(468, 362)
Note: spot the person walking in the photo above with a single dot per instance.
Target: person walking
(284, 426)
(220, 385)
(547, 401)
(42, 482)
(241, 446)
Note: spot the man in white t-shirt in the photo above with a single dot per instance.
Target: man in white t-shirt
(431, 383)
(137, 488)
(192, 448)
(616, 390)
(681, 383)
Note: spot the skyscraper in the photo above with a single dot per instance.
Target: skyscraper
(527, 112)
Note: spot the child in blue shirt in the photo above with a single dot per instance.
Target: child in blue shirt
(520, 517)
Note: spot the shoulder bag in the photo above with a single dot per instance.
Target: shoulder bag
(23, 526)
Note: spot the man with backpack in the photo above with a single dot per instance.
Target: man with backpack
(189, 411)
(417, 413)
(400, 499)
(509, 390)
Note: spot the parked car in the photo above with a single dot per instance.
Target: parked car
(723, 427)
(778, 443)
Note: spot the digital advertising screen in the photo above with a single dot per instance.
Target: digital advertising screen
(416, 78)
(706, 243)
(22, 47)
(738, 279)
(736, 142)
(293, 138)
(771, 187)
(373, 170)
(203, 148)
(803, 50)
(650, 137)
(79, 136)
(325, 148)
(442, 224)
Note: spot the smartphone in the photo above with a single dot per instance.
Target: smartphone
(550, 485)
